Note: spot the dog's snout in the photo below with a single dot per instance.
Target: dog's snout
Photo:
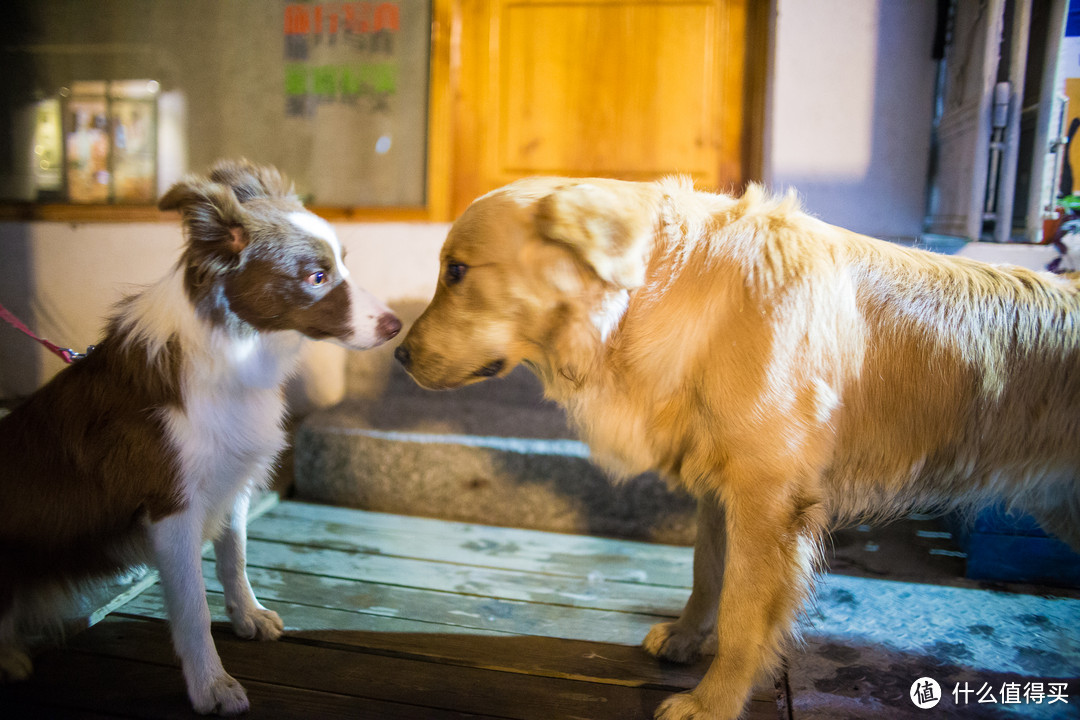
(388, 326)
(402, 355)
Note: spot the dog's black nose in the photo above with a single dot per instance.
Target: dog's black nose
(402, 355)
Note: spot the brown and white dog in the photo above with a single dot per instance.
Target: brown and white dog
(790, 374)
(155, 441)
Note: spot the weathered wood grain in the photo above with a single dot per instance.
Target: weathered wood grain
(623, 664)
(93, 686)
(380, 676)
(467, 612)
(479, 545)
(402, 618)
(533, 587)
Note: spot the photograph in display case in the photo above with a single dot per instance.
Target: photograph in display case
(111, 142)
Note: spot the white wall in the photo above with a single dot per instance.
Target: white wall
(851, 103)
(62, 279)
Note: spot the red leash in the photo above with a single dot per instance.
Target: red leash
(66, 353)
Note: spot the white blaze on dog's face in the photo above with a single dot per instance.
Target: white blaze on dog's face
(302, 284)
(515, 285)
(371, 322)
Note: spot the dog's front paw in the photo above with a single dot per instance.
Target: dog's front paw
(256, 623)
(15, 665)
(670, 641)
(683, 706)
(222, 695)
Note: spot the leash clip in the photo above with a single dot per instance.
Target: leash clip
(74, 355)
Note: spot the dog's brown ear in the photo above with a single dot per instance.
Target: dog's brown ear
(179, 195)
(249, 180)
(213, 216)
(610, 224)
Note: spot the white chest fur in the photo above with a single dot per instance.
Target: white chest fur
(228, 430)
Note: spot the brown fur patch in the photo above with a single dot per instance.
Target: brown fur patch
(72, 509)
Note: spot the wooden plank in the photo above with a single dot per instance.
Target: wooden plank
(462, 628)
(304, 617)
(483, 546)
(34, 707)
(383, 677)
(450, 610)
(90, 686)
(533, 544)
(553, 657)
(508, 623)
(592, 593)
(102, 598)
(453, 609)
(561, 658)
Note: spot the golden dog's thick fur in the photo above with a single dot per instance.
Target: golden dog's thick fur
(790, 374)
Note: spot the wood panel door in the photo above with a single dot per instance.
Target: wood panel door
(618, 88)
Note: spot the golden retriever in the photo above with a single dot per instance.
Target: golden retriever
(788, 373)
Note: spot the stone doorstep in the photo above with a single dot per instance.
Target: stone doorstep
(495, 453)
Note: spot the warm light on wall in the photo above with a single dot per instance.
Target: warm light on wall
(824, 112)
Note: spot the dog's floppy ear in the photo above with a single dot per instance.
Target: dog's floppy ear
(212, 215)
(610, 224)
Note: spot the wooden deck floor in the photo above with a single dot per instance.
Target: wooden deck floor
(395, 617)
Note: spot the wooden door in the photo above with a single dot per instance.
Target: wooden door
(618, 88)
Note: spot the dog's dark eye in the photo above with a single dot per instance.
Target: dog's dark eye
(317, 278)
(455, 272)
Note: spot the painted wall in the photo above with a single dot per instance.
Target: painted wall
(850, 109)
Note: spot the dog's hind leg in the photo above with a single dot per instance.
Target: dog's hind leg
(249, 618)
(14, 662)
(177, 545)
(683, 639)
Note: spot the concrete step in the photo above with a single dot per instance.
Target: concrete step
(495, 453)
